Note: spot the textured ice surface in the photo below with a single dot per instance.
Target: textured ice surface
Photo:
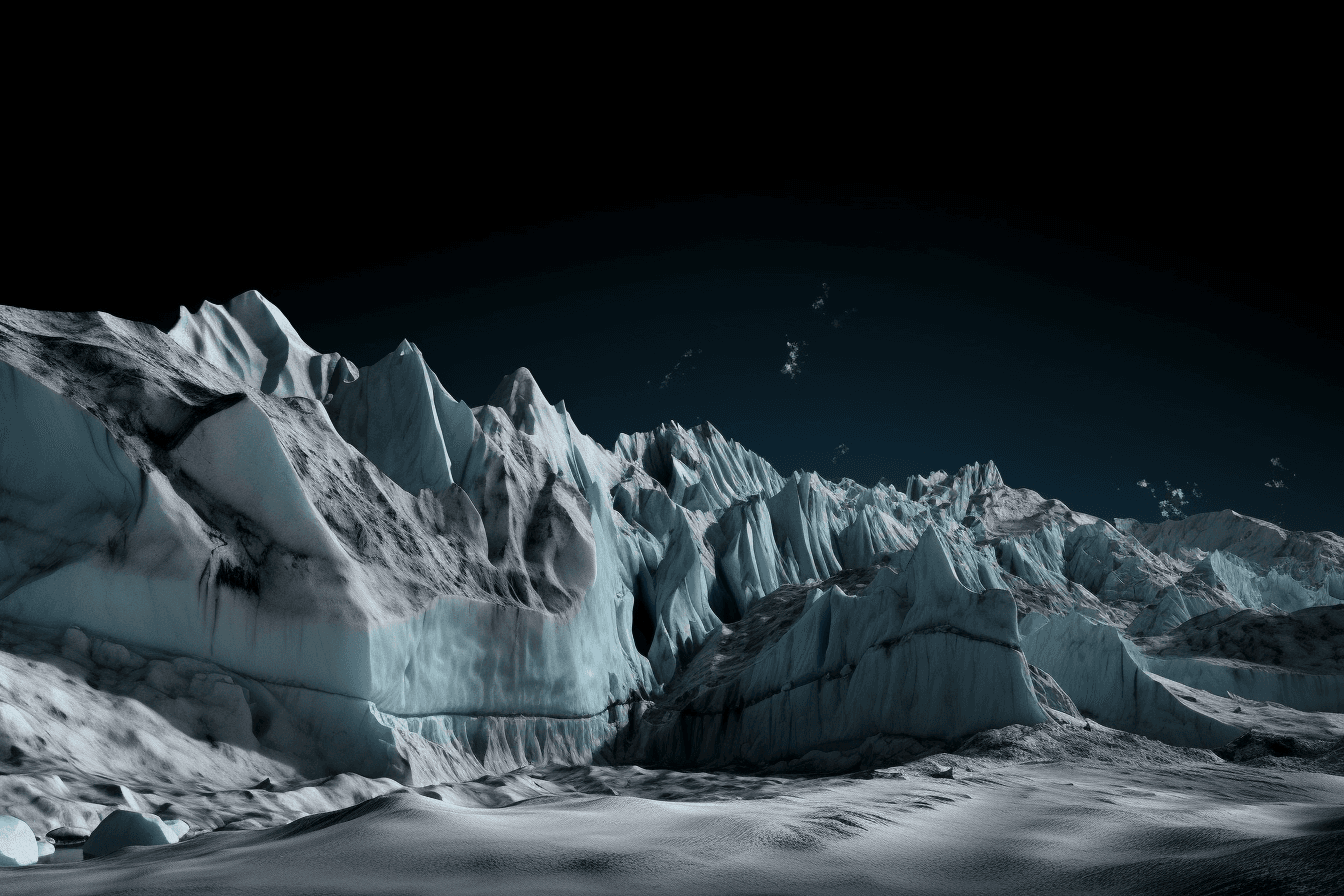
(1106, 677)
(215, 521)
(1310, 555)
(913, 655)
(123, 828)
(304, 568)
(699, 468)
(398, 415)
(17, 844)
(253, 340)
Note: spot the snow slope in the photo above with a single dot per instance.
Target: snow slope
(1027, 811)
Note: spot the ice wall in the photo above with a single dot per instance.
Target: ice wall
(245, 530)
(914, 654)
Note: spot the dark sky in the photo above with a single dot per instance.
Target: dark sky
(1085, 326)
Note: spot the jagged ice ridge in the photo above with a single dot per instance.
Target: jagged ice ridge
(350, 570)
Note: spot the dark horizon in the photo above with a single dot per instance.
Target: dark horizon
(1083, 346)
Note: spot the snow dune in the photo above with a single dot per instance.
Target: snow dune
(1138, 826)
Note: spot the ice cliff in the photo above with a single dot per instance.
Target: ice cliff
(391, 582)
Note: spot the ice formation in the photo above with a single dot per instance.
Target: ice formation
(342, 570)
(124, 828)
(17, 843)
(253, 340)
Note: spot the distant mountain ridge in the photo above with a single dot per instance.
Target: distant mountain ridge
(409, 587)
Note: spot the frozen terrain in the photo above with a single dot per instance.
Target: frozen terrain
(1091, 812)
(244, 583)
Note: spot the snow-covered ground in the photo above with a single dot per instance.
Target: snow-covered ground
(1052, 809)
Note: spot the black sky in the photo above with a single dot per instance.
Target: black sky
(1086, 320)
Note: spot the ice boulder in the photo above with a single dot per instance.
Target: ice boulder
(18, 846)
(124, 828)
(177, 826)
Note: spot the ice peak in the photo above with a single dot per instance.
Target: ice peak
(262, 319)
(249, 300)
(405, 352)
(517, 392)
(252, 339)
(932, 564)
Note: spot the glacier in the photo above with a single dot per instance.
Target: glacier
(346, 570)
